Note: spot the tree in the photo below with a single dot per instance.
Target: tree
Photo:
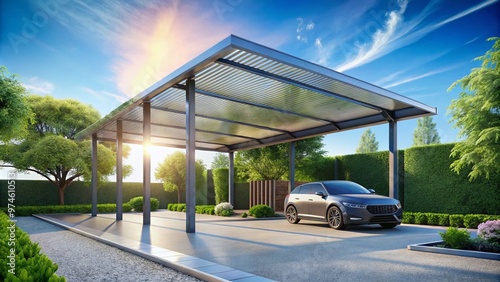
(477, 114)
(15, 114)
(172, 172)
(272, 162)
(367, 143)
(425, 133)
(49, 150)
(220, 161)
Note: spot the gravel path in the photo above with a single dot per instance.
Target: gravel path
(83, 259)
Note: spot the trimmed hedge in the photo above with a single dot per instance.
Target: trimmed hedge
(138, 202)
(201, 209)
(430, 185)
(21, 259)
(259, 211)
(221, 185)
(101, 208)
(442, 219)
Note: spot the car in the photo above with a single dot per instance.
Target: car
(341, 203)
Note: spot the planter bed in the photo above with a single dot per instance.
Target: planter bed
(432, 247)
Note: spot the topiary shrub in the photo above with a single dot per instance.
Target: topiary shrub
(433, 218)
(137, 203)
(457, 220)
(224, 209)
(259, 211)
(409, 217)
(444, 219)
(421, 218)
(205, 209)
(472, 220)
(456, 238)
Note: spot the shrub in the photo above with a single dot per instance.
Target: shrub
(224, 209)
(244, 215)
(457, 220)
(221, 184)
(205, 209)
(259, 211)
(433, 218)
(409, 217)
(444, 219)
(181, 207)
(472, 220)
(489, 231)
(456, 238)
(479, 244)
(101, 208)
(29, 263)
(137, 202)
(421, 218)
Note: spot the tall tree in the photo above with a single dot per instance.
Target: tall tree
(367, 143)
(425, 133)
(172, 172)
(272, 162)
(477, 114)
(49, 149)
(220, 161)
(15, 113)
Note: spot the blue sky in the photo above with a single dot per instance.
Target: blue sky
(104, 52)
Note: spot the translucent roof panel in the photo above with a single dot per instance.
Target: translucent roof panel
(248, 96)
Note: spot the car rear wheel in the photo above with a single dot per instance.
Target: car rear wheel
(291, 215)
(388, 225)
(335, 219)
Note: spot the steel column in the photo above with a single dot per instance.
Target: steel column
(190, 156)
(231, 178)
(94, 174)
(146, 163)
(393, 160)
(119, 170)
(291, 170)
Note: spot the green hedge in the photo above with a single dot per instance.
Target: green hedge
(259, 211)
(430, 185)
(442, 219)
(138, 202)
(200, 209)
(101, 208)
(221, 185)
(21, 259)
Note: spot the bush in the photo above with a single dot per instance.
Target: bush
(205, 209)
(244, 215)
(259, 211)
(421, 218)
(409, 217)
(224, 209)
(489, 231)
(433, 218)
(472, 220)
(137, 203)
(28, 263)
(456, 238)
(221, 184)
(444, 219)
(457, 220)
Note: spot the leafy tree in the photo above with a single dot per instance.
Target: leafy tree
(272, 162)
(220, 161)
(477, 114)
(15, 114)
(49, 149)
(172, 172)
(367, 143)
(425, 133)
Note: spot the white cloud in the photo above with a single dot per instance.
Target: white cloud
(396, 32)
(416, 77)
(318, 43)
(38, 86)
(310, 26)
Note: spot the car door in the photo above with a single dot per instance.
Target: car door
(301, 199)
(317, 204)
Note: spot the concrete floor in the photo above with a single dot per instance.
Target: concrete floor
(251, 250)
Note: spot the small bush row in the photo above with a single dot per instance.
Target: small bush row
(101, 208)
(21, 259)
(137, 203)
(471, 221)
(201, 209)
(259, 211)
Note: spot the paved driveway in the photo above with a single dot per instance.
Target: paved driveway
(308, 251)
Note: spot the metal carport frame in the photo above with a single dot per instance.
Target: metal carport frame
(240, 95)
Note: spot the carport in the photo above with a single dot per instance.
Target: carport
(240, 95)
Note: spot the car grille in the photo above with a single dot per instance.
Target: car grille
(382, 209)
(383, 219)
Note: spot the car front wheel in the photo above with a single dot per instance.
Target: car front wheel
(291, 215)
(335, 219)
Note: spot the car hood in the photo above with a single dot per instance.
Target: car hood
(368, 199)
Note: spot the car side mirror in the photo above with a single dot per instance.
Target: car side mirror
(371, 191)
(321, 194)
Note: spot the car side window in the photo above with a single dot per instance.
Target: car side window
(317, 188)
(305, 189)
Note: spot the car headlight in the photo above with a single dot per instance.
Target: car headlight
(352, 205)
(398, 205)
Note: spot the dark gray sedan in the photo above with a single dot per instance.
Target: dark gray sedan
(341, 203)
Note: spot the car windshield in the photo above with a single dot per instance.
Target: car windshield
(345, 187)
